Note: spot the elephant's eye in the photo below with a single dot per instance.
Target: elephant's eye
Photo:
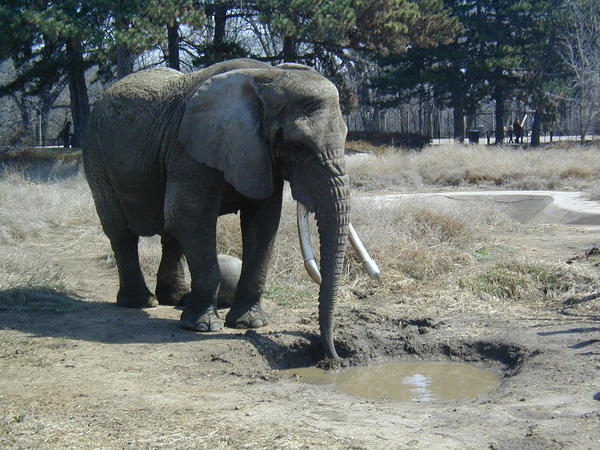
(298, 154)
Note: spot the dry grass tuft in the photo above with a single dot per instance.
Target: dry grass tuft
(524, 281)
(416, 243)
(31, 299)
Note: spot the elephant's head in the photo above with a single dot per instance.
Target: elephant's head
(257, 124)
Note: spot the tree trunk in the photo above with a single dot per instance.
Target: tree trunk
(80, 106)
(26, 133)
(220, 18)
(459, 118)
(124, 60)
(499, 99)
(173, 46)
(536, 128)
(427, 119)
(582, 125)
(48, 97)
(218, 50)
(290, 49)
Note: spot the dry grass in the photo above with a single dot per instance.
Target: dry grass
(36, 220)
(37, 154)
(524, 281)
(417, 244)
(366, 147)
(477, 166)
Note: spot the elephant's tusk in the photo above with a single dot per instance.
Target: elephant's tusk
(368, 262)
(305, 244)
(307, 251)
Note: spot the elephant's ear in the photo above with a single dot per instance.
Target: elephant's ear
(222, 128)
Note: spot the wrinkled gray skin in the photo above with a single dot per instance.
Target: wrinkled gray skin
(167, 153)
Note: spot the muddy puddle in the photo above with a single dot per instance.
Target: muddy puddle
(404, 381)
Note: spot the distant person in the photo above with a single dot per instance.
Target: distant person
(65, 135)
(509, 132)
(518, 131)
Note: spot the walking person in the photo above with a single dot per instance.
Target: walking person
(65, 135)
(518, 131)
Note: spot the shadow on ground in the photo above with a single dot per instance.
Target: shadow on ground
(45, 312)
(51, 313)
(361, 337)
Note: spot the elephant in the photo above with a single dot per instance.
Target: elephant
(167, 153)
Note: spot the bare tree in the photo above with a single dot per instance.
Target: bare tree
(581, 54)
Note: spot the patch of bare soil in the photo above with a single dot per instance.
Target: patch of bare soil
(77, 371)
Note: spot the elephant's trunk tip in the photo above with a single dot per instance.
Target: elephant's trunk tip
(331, 352)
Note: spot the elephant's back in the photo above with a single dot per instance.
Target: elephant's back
(148, 85)
(136, 98)
(137, 108)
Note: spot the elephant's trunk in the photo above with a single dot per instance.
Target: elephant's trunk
(331, 211)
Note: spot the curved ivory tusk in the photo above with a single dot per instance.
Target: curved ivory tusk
(309, 257)
(368, 262)
(305, 244)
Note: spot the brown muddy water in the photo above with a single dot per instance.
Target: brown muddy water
(404, 381)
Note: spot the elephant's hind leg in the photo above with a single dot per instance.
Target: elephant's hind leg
(171, 287)
(133, 292)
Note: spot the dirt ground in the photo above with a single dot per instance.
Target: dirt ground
(80, 372)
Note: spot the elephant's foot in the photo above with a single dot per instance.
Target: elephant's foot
(244, 315)
(137, 300)
(172, 295)
(205, 319)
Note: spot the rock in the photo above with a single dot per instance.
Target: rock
(231, 268)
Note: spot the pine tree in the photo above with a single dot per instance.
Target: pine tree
(543, 69)
(521, 55)
(368, 26)
(218, 47)
(136, 26)
(49, 41)
(342, 35)
(450, 71)
(503, 51)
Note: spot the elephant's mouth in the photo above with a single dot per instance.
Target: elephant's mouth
(308, 254)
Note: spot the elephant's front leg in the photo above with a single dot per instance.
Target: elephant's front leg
(200, 311)
(191, 219)
(259, 221)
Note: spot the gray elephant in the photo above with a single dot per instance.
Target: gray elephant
(167, 153)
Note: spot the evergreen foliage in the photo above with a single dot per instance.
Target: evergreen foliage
(457, 52)
(507, 49)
